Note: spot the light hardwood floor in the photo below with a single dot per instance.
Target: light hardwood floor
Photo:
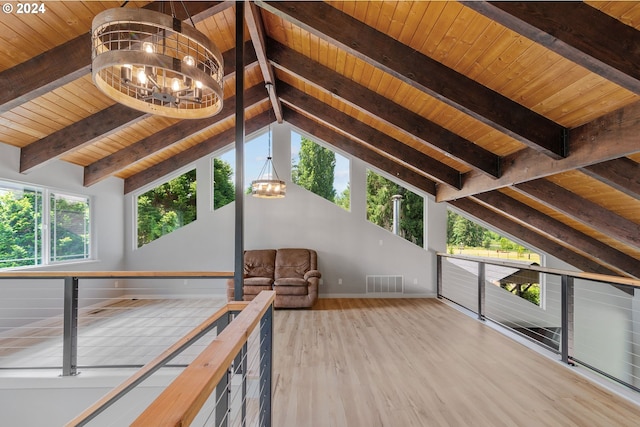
(419, 362)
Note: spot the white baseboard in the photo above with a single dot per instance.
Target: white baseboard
(378, 295)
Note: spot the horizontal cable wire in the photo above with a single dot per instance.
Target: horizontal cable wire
(605, 321)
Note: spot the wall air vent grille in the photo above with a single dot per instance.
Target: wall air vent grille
(388, 284)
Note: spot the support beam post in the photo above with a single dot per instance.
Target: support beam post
(239, 212)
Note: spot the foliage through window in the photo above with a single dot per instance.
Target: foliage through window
(380, 192)
(26, 211)
(167, 208)
(69, 227)
(224, 191)
(465, 237)
(320, 170)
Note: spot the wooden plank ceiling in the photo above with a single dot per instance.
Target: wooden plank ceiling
(525, 115)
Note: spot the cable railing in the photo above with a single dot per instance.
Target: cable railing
(214, 388)
(73, 320)
(227, 384)
(588, 319)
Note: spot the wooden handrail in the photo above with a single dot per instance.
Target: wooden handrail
(155, 364)
(616, 280)
(114, 274)
(180, 402)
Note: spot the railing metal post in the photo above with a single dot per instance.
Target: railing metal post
(439, 275)
(567, 302)
(244, 367)
(481, 282)
(70, 327)
(266, 357)
(222, 389)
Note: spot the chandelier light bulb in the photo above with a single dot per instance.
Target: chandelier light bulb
(189, 60)
(148, 47)
(142, 77)
(175, 84)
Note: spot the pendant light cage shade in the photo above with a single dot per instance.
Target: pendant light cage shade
(154, 63)
(268, 185)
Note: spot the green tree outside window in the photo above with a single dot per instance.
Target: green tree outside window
(380, 207)
(69, 227)
(166, 208)
(223, 187)
(20, 228)
(315, 169)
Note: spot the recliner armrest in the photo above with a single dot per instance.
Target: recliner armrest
(312, 273)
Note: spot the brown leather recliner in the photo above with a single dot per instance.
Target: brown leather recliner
(291, 272)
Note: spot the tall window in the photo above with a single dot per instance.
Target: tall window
(465, 237)
(224, 190)
(25, 211)
(320, 170)
(393, 207)
(69, 224)
(166, 208)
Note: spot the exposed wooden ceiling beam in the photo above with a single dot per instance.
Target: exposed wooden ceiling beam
(368, 135)
(77, 135)
(69, 61)
(575, 30)
(28, 80)
(382, 108)
(164, 138)
(358, 150)
(623, 174)
(560, 233)
(582, 210)
(97, 126)
(192, 154)
(424, 73)
(606, 138)
(529, 236)
(253, 18)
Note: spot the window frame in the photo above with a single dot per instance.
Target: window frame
(45, 193)
(157, 183)
(542, 256)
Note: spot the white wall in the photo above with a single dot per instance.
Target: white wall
(348, 246)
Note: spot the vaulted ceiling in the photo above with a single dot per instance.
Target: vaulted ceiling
(525, 115)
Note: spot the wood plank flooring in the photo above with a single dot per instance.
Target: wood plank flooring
(419, 362)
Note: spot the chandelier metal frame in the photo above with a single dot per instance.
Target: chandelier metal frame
(154, 63)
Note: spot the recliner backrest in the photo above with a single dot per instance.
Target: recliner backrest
(294, 262)
(259, 263)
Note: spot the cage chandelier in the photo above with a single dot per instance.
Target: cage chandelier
(268, 185)
(154, 63)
